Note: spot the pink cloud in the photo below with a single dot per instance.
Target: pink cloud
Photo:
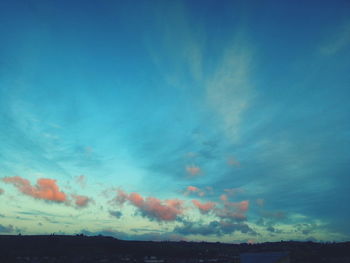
(194, 190)
(121, 197)
(1, 191)
(242, 206)
(45, 188)
(81, 200)
(229, 214)
(233, 210)
(229, 193)
(151, 207)
(136, 199)
(193, 170)
(204, 208)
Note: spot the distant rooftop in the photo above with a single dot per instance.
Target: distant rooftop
(266, 257)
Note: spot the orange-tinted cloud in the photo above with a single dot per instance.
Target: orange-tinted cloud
(230, 215)
(233, 210)
(194, 190)
(45, 188)
(151, 207)
(242, 206)
(81, 200)
(229, 193)
(193, 170)
(204, 208)
(121, 197)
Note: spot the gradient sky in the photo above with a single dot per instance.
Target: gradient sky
(176, 120)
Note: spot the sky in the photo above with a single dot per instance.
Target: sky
(219, 121)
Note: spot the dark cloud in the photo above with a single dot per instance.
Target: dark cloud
(273, 214)
(232, 211)
(191, 228)
(273, 229)
(116, 214)
(217, 228)
(306, 228)
(8, 229)
(306, 231)
(52, 221)
(153, 236)
(150, 230)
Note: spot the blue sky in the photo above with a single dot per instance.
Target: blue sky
(175, 120)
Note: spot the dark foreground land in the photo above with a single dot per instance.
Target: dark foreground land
(58, 248)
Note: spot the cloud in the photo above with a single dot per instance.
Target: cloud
(45, 188)
(273, 230)
(242, 206)
(274, 214)
(233, 210)
(116, 214)
(230, 215)
(217, 228)
(191, 228)
(260, 202)
(192, 189)
(81, 180)
(229, 90)
(52, 221)
(193, 170)
(153, 236)
(197, 191)
(6, 229)
(204, 208)
(2, 191)
(229, 227)
(81, 200)
(270, 229)
(340, 39)
(151, 207)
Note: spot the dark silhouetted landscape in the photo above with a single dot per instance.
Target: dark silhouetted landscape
(80, 248)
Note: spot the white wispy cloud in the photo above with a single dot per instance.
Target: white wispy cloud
(229, 90)
(337, 40)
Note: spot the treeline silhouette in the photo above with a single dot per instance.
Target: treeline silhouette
(58, 245)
